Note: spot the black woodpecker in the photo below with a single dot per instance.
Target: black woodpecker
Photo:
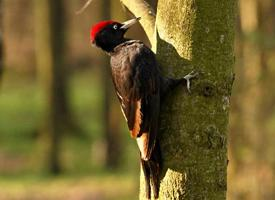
(140, 89)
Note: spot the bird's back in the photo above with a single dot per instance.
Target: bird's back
(137, 83)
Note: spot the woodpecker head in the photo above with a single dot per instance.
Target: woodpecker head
(108, 34)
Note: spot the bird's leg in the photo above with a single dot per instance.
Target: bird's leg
(169, 84)
(188, 77)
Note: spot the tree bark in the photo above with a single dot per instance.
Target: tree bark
(195, 35)
(237, 137)
(140, 8)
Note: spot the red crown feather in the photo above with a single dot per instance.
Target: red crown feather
(98, 27)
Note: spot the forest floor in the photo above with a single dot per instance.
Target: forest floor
(23, 161)
(85, 188)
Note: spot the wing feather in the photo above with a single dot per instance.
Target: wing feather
(136, 79)
(137, 119)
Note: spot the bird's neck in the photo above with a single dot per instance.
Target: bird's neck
(109, 48)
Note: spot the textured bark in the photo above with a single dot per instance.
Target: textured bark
(195, 35)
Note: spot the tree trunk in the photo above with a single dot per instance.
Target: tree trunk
(237, 138)
(1, 41)
(254, 97)
(51, 72)
(111, 123)
(195, 35)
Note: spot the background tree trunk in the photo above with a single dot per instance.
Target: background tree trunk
(1, 41)
(60, 70)
(252, 168)
(111, 121)
(52, 74)
(195, 35)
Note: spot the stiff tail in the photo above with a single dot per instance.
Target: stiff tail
(151, 170)
(147, 173)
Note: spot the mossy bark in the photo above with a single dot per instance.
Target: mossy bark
(195, 35)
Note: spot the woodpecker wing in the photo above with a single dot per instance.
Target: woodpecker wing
(137, 81)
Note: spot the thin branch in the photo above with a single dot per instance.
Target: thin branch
(141, 8)
(84, 7)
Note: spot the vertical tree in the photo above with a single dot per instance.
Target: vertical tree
(51, 71)
(110, 121)
(237, 136)
(1, 39)
(253, 102)
(111, 111)
(190, 35)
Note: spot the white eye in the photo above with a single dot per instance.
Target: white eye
(115, 26)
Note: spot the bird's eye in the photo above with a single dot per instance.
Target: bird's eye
(115, 26)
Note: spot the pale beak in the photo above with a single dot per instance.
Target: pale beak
(93, 43)
(129, 23)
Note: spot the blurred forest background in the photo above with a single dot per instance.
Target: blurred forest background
(62, 135)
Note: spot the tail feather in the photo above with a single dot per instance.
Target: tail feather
(151, 170)
(146, 171)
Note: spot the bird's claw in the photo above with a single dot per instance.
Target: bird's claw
(188, 77)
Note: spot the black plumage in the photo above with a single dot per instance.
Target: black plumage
(137, 82)
(140, 88)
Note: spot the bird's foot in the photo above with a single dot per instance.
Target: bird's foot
(188, 77)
